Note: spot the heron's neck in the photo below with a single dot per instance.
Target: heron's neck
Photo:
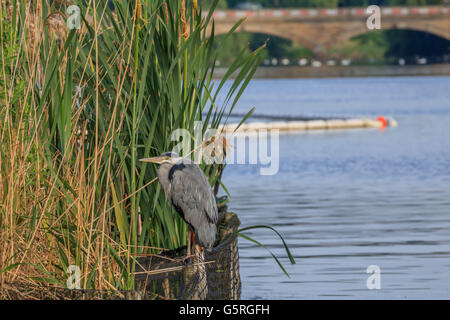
(163, 176)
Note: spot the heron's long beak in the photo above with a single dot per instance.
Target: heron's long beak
(153, 160)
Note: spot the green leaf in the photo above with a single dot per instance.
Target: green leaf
(291, 258)
(261, 245)
(10, 267)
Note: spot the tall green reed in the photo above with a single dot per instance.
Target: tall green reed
(98, 99)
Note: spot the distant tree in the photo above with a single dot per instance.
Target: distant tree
(334, 3)
(207, 4)
(327, 3)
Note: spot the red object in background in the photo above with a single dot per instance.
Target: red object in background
(383, 121)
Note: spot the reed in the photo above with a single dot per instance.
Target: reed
(78, 108)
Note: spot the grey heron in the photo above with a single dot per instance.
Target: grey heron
(189, 191)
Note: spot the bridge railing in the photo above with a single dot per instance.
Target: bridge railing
(313, 13)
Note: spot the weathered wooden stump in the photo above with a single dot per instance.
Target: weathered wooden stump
(170, 276)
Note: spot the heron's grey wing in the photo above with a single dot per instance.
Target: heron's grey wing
(192, 194)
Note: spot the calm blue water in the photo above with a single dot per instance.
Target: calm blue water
(345, 200)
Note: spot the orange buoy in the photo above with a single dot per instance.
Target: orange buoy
(383, 121)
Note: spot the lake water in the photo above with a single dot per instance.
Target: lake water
(345, 200)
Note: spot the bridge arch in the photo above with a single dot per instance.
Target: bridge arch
(320, 30)
(270, 30)
(348, 33)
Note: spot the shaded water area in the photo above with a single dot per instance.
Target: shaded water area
(348, 199)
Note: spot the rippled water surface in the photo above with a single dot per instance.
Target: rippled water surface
(348, 199)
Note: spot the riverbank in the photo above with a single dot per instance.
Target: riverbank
(348, 71)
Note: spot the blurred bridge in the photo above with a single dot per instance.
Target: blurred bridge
(320, 29)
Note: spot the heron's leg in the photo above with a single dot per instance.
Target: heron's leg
(192, 238)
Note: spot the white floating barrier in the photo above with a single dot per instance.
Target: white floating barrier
(337, 124)
(327, 124)
(373, 124)
(296, 125)
(316, 125)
